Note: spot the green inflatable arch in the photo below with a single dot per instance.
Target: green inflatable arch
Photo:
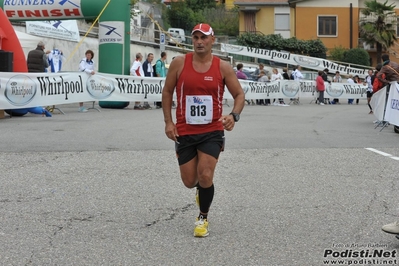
(114, 24)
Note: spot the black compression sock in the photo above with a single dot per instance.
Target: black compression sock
(206, 197)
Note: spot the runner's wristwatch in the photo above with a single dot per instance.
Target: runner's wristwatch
(236, 116)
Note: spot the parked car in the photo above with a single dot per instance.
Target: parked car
(309, 75)
(179, 32)
(174, 38)
(249, 71)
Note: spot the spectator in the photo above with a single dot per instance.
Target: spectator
(160, 71)
(292, 73)
(137, 70)
(337, 78)
(325, 75)
(285, 73)
(351, 81)
(275, 77)
(147, 66)
(369, 82)
(357, 80)
(320, 86)
(258, 71)
(262, 78)
(389, 69)
(378, 84)
(148, 72)
(37, 59)
(325, 78)
(37, 62)
(297, 73)
(242, 75)
(86, 65)
(239, 73)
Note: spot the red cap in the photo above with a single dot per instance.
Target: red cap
(204, 28)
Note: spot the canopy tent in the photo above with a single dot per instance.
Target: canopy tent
(28, 42)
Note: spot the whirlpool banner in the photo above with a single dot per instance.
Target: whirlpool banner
(22, 90)
(293, 59)
(392, 107)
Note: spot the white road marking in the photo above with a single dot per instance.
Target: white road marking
(383, 153)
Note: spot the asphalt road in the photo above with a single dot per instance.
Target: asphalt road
(295, 186)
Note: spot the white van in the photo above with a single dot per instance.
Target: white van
(178, 31)
(174, 38)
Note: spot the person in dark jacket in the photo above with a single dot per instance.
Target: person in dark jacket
(285, 73)
(325, 78)
(390, 69)
(148, 72)
(37, 62)
(147, 66)
(37, 59)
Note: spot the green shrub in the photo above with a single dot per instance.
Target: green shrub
(277, 42)
(337, 53)
(357, 56)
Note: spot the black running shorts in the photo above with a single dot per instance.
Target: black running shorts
(369, 94)
(211, 143)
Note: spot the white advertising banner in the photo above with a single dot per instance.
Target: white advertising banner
(57, 29)
(378, 103)
(301, 89)
(392, 108)
(22, 90)
(293, 59)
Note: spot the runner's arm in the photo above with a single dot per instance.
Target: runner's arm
(234, 86)
(167, 96)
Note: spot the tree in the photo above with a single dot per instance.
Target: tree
(179, 15)
(198, 5)
(223, 22)
(357, 56)
(378, 25)
(186, 14)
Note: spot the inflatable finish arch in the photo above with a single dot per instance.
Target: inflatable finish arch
(114, 24)
(9, 42)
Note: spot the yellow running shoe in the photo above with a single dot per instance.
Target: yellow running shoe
(197, 196)
(201, 227)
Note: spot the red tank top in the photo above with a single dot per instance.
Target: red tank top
(200, 98)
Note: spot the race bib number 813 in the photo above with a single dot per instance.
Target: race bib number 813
(199, 109)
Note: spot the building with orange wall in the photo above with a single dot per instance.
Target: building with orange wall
(334, 22)
(266, 17)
